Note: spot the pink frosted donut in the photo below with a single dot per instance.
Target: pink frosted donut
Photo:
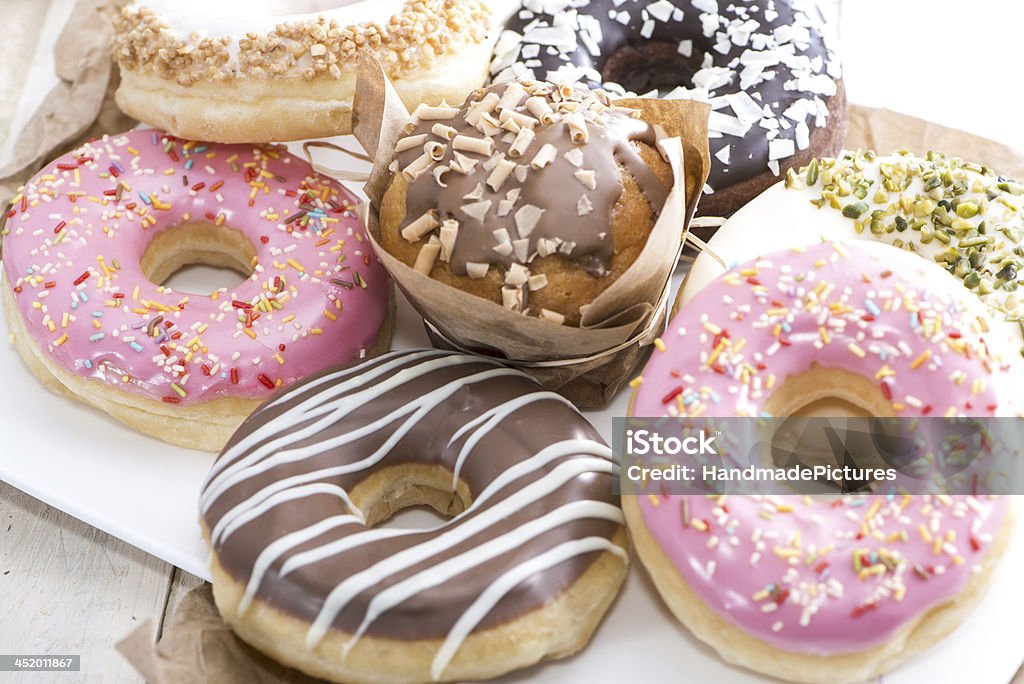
(89, 240)
(821, 589)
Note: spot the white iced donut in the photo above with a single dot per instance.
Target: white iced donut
(273, 70)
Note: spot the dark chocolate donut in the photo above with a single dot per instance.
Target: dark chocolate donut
(768, 68)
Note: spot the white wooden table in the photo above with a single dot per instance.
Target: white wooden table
(69, 589)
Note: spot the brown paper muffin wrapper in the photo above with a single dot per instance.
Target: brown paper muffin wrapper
(589, 363)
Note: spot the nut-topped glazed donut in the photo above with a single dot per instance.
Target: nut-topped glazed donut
(817, 589)
(89, 240)
(769, 69)
(253, 71)
(524, 570)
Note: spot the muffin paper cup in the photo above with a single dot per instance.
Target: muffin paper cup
(586, 364)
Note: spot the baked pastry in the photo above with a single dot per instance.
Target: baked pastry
(240, 72)
(532, 195)
(769, 67)
(532, 557)
(92, 237)
(842, 589)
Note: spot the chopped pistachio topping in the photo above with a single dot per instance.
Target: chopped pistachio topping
(964, 215)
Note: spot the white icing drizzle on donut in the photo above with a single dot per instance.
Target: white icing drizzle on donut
(493, 417)
(345, 591)
(276, 549)
(501, 586)
(422, 405)
(446, 570)
(284, 495)
(317, 406)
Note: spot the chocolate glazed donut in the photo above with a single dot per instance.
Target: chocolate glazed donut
(524, 570)
(767, 67)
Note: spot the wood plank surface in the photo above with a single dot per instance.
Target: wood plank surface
(16, 50)
(182, 583)
(68, 588)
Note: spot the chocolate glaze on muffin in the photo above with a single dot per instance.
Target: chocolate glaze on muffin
(532, 195)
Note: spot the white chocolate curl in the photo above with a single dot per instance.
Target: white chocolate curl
(577, 128)
(546, 246)
(523, 120)
(477, 210)
(511, 126)
(539, 107)
(588, 178)
(417, 168)
(463, 164)
(427, 256)
(427, 113)
(435, 150)
(527, 219)
(512, 96)
(421, 226)
(628, 111)
(521, 143)
(517, 275)
(488, 125)
(521, 248)
(449, 234)
(477, 270)
(512, 298)
(500, 174)
(410, 142)
(545, 156)
(537, 282)
(482, 146)
(484, 106)
(440, 175)
(552, 316)
(443, 131)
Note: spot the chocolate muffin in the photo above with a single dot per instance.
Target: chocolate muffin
(532, 195)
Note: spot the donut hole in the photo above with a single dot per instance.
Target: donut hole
(827, 392)
(414, 518)
(410, 496)
(821, 394)
(198, 258)
(653, 65)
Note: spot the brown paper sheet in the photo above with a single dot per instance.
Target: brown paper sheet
(628, 309)
(198, 647)
(81, 105)
(884, 131)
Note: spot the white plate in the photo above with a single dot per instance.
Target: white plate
(145, 492)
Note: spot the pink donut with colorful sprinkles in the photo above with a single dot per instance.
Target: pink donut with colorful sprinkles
(89, 239)
(824, 589)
